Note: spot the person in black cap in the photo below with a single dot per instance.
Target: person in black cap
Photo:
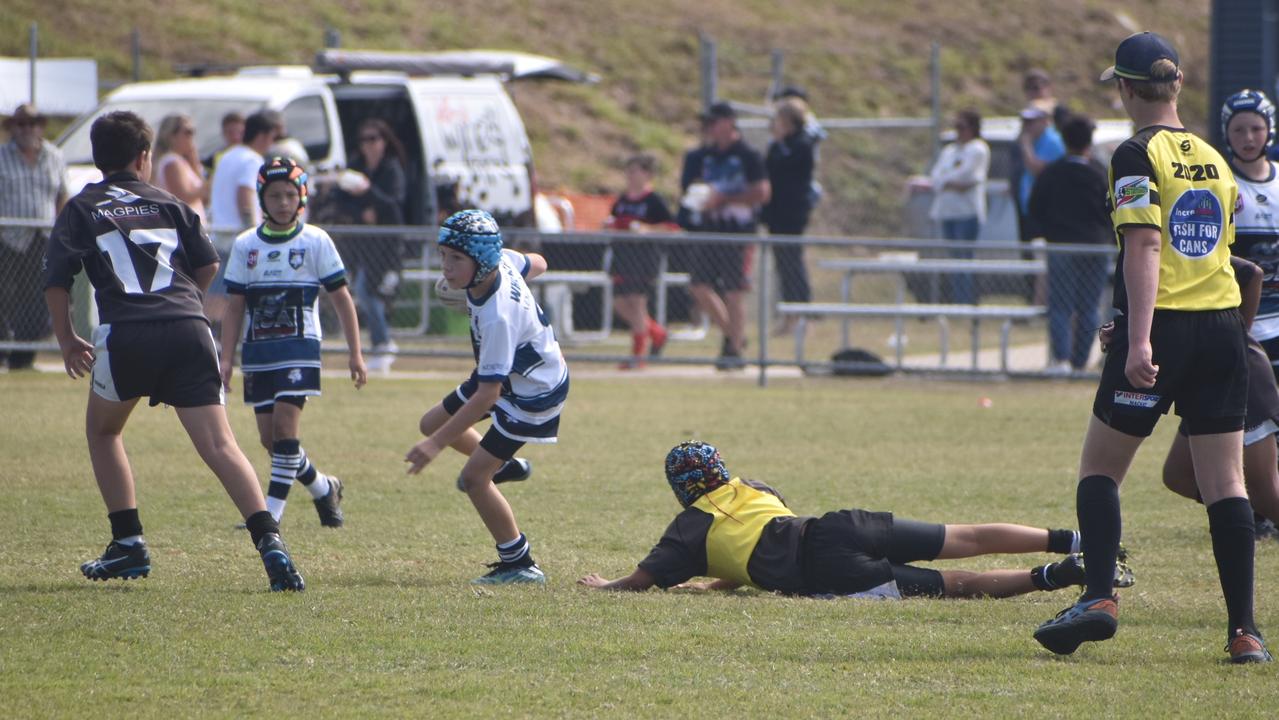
(1179, 339)
(735, 186)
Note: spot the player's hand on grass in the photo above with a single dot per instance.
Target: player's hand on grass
(593, 580)
(421, 455)
(77, 357)
(1140, 368)
(701, 586)
(359, 373)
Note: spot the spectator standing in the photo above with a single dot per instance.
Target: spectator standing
(1068, 203)
(639, 209)
(232, 135)
(790, 161)
(32, 186)
(233, 196)
(1038, 145)
(735, 188)
(958, 179)
(375, 261)
(177, 164)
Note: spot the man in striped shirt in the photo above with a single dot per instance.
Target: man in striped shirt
(32, 187)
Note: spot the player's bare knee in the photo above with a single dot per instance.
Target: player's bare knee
(474, 482)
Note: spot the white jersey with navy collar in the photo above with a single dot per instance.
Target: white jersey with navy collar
(1257, 240)
(515, 345)
(280, 279)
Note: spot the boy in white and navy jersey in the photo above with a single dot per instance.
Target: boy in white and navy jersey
(273, 282)
(520, 378)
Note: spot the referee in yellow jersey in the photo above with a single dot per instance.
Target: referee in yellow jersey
(1179, 342)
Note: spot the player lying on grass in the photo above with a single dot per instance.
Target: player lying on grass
(273, 282)
(520, 379)
(150, 262)
(740, 532)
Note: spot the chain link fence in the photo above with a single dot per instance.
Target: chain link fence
(880, 304)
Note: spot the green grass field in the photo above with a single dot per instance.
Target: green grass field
(389, 625)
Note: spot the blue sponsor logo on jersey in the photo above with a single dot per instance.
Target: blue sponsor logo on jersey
(1195, 223)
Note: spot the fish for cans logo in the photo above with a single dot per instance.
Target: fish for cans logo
(253, 259)
(1195, 223)
(1132, 191)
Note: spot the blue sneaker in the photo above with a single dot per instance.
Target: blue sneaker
(1085, 621)
(511, 574)
(278, 564)
(119, 561)
(513, 470)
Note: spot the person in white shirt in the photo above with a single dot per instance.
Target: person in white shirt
(233, 197)
(959, 194)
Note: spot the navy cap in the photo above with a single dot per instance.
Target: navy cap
(1135, 56)
(720, 111)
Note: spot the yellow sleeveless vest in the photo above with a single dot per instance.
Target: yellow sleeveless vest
(739, 514)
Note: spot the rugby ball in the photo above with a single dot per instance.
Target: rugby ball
(453, 299)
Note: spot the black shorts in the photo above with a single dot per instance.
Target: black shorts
(265, 387)
(1202, 360)
(634, 268)
(851, 551)
(493, 442)
(1262, 418)
(723, 266)
(170, 361)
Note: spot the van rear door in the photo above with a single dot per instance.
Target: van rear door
(473, 137)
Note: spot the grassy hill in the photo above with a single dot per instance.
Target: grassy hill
(856, 58)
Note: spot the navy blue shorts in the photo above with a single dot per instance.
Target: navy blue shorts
(265, 387)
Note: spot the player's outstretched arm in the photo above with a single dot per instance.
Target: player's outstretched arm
(716, 584)
(484, 397)
(77, 353)
(232, 323)
(639, 580)
(345, 307)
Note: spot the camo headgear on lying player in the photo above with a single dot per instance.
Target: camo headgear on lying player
(475, 234)
(693, 469)
(1248, 101)
(282, 169)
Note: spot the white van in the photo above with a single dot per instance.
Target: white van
(450, 110)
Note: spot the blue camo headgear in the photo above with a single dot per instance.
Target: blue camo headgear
(1248, 101)
(474, 233)
(693, 469)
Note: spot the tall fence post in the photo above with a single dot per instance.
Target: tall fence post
(934, 64)
(137, 55)
(762, 261)
(710, 70)
(35, 51)
(778, 76)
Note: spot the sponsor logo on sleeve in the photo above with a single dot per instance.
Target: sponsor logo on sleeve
(1136, 399)
(1132, 191)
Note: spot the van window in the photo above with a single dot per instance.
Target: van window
(305, 120)
(207, 115)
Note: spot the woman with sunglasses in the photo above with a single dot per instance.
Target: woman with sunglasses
(177, 162)
(375, 261)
